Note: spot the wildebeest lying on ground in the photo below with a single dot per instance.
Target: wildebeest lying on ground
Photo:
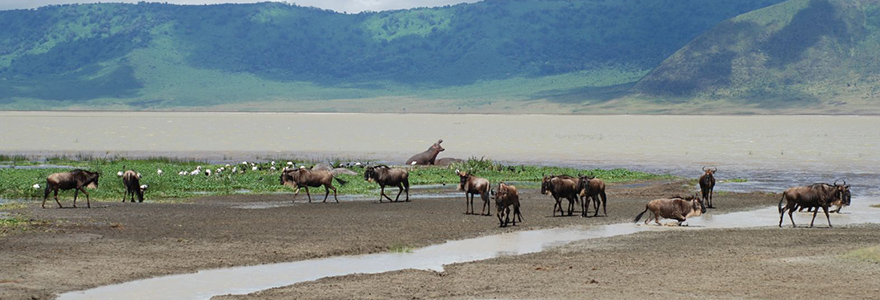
(132, 184)
(593, 188)
(428, 156)
(305, 178)
(814, 195)
(707, 186)
(562, 186)
(76, 179)
(674, 208)
(471, 185)
(384, 175)
(505, 197)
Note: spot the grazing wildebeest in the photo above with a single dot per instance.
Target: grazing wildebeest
(132, 186)
(428, 156)
(562, 186)
(448, 161)
(505, 197)
(593, 188)
(305, 178)
(707, 185)
(675, 208)
(75, 179)
(384, 175)
(814, 195)
(471, 185)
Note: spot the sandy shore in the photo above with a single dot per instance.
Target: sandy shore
(73, 249)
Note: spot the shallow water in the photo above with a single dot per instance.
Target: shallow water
(243, 280)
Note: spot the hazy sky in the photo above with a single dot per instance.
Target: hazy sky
(351, 6)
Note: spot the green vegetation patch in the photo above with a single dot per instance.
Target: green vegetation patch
(242, 179)
(870, 254)
(420, 22)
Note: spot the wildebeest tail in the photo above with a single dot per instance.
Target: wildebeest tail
(780, 202)
(46, 192)
(640, 214)
(341, 182)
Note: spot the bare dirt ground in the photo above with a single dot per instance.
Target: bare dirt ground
(73, 249)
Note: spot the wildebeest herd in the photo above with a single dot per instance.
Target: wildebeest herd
(582, 190)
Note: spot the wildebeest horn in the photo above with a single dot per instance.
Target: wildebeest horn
(715, 169)
(704, 168)
(439, 141)
(835, 182)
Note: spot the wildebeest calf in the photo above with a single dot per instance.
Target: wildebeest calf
(674, 208)
(384, 175)
(505, 197)
(471, 185)
(592, 188)
(75, 179)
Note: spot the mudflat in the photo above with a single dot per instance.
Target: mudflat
(69, 249)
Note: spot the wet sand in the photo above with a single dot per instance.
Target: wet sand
(75, 249)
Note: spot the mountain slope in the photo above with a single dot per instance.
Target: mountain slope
(800, 53)
(159, 56)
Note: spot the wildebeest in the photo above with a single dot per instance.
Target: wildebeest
(562, 186)
(428, 156)
(384, 175)
(505, 197)
(448, 161)
(814, 195)
(305, 178)
(593, 188)
(76, 179)
(132, 186)
(674, 208)
(471, 185)
(707, 185)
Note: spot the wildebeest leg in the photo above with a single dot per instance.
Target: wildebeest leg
(399, 191)
(295, 192)
(790, 217)
(711, 194)
(485, 196)
(558, 204)
(88, 201)
(604, 204)
(308, 195)
(825, 208)
(406, 188)
(334, 194)
(382, 193)
(516, 213)
(75, 193)
(467, 206)
(585, 204)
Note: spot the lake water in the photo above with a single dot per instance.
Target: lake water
(772, 152)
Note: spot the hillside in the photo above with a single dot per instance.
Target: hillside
(813, 54)
(270, 56)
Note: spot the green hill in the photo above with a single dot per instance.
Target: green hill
(819, 55)
(269, 56)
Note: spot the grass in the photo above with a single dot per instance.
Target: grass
(397, 248)
(19, 183)
(870, 254)
(736, 180)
